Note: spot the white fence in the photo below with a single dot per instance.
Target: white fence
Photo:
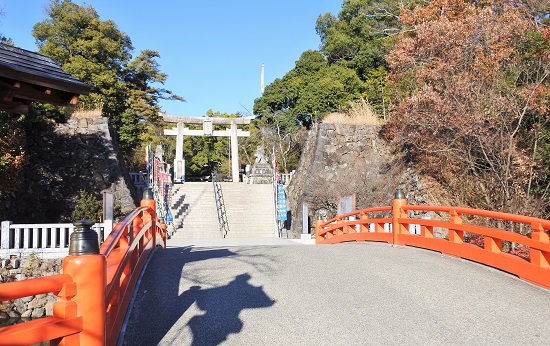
(140, 181)
(44, 240)
(286, 177)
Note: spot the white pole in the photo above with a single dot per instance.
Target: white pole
(262, 80)
(179, 162)
(234, 153)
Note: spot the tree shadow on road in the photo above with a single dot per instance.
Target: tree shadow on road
(222, 306)
(158, 305)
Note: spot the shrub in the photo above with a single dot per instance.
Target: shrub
(87, 207)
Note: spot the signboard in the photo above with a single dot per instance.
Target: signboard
(281, 203)
(150, 169)
(305, 218)
(346, 204)
(169, 217)
(207, 127)
(108, 206)
(164, 180)
(156, 171)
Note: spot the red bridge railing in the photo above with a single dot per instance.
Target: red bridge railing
(96, 285)
(488, 249)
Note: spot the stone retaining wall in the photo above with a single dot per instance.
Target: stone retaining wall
(342, 160)
(63, 159)
(28, 307)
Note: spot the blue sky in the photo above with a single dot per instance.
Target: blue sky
(211, 50)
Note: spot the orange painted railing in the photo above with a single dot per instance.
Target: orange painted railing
(357, 226)
(94, 290)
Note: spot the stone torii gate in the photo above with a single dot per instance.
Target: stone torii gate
(180, 131)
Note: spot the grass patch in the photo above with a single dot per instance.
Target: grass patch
(360, 113)
(87, 114)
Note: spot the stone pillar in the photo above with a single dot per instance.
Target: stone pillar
(179, 162)
(5, 235)
(234, 153)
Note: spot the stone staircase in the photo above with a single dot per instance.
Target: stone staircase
(250, 210)
(194, 209)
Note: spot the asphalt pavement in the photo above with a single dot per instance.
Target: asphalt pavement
(282, 292)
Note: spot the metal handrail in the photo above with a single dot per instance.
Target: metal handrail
(220, 206)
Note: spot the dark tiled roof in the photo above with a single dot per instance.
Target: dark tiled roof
(26, 66)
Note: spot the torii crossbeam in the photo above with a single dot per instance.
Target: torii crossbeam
(207, 130)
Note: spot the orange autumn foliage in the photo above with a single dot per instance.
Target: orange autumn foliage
(471, 88)
(11, 160)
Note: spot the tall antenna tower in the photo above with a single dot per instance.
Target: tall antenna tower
(262, 80)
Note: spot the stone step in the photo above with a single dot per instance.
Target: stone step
(217, 234)
(199, 227)
(201, 235)
(250, 210)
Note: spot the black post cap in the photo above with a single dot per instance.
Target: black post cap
(399, 194)
(84, 240)
(147, 194)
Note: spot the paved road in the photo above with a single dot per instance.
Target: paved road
(285, 293)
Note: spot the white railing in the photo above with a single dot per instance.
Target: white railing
(140, 181)
(44, 240)
(286, 177)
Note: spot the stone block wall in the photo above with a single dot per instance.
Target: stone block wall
(63, 159)
(342, 160)
(28, 307)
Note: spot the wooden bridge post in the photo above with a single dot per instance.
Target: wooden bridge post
(149, 201)
(456, 236)
(318, 230)
(538, 257)
(397, 212)
(89, 270)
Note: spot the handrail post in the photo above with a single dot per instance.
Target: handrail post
(149, 201)
(363, 228)
(318, 229)
(538, 257)
(397, 212)
(456, 236)
(89, 270)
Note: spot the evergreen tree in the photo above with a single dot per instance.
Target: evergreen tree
(309, 91)
(350, 65)
(98, 53)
